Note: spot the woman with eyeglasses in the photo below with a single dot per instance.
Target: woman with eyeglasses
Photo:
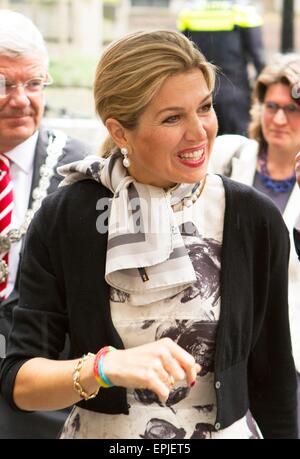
(267, 160)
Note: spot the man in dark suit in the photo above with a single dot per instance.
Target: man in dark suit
(29, 157)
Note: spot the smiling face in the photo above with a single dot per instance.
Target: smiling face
(174, 136)
(281, 131)
(20, 113)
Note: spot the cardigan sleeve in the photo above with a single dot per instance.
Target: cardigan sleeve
(39, 321)
(297, 236)
(272, 377)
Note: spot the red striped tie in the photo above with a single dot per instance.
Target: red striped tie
(6, 207)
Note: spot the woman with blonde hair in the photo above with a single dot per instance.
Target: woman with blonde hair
(266, 161)
(176, 310)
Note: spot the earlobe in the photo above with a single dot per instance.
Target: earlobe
(116, 131)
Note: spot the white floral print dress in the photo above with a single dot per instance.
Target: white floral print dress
(190, 318)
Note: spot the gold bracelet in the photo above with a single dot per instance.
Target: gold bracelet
(76, 378)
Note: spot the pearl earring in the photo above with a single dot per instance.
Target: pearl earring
(126, 160)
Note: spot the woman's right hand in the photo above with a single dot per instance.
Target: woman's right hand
(154, 366)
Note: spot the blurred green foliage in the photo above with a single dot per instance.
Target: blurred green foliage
(73, 70)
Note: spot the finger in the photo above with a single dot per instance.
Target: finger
(172, 367)
(170, 382)
(190, 367)
(185, 360)
(177, 361)
(192, 375)
(158, 381)
(198, 368)
(160, 388)
(162, 373)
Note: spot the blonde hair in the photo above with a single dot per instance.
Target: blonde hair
(132, 70)
(284, 69)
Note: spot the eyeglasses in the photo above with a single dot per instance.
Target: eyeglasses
(291, 111)
(32, 87)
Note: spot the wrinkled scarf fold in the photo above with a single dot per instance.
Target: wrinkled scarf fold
(146, 255)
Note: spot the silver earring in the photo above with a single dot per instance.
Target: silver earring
(126, 160)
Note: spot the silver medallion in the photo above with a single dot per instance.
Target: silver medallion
(14, 235)
(57, 141)
(3, 271)
(4, 244)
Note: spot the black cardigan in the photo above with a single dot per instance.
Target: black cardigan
(63, 288)
(297, 241)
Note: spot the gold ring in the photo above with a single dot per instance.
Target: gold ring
(170, 381)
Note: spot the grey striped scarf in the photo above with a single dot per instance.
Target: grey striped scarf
(146, 255)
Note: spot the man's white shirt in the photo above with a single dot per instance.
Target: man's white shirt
(21, 172)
